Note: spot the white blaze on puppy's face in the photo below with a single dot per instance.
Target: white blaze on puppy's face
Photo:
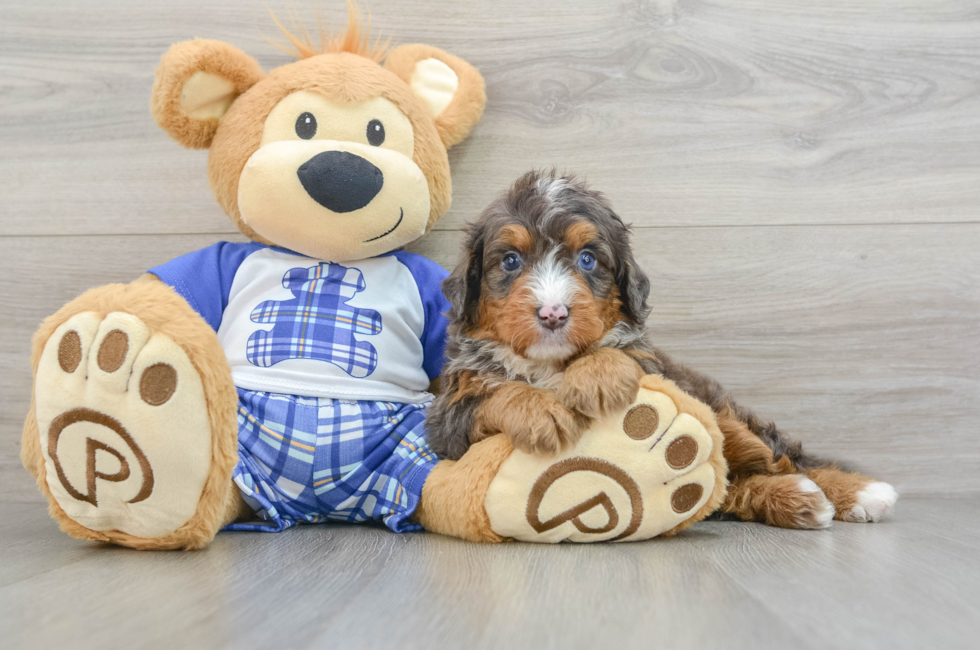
(537, 298)
(553, 284)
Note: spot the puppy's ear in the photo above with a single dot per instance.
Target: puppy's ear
(634, 289)
(195, 85)
(462, 287)
(451, 88)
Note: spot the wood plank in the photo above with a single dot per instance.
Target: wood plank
(694, 113)
(718, 585)
(864, 342)
(37, 546)
(747, 140)
(864, 586)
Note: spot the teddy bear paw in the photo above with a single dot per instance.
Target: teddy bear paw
(123, 425)
(634, 475)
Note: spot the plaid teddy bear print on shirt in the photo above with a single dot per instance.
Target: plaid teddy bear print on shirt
(318, 324)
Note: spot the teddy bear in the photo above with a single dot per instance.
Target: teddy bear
(259, 385)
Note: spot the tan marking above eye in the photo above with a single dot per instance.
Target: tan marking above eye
(579, 234)
(70, 351)
(641, 422)
(113, 350)
(346, 122)
(516, 236)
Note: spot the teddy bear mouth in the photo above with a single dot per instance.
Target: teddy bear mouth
(391, 230)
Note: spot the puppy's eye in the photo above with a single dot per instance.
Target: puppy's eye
(306, 126)
(375, 133)
(586, 261)
(511, 262)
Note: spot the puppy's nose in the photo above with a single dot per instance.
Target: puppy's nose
(552, 316)
(340, 181)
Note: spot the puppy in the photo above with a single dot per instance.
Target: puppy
(547, 333)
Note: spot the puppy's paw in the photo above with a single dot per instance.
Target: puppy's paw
(600, 383)
(811, 508)
(858, 499)
(539, 423)
(874, 503)
(794, 501)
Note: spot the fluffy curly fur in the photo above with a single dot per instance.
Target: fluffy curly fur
(508, 372)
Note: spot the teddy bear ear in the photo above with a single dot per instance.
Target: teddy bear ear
(452, 89)
(195, 85)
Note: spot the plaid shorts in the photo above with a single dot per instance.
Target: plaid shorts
(308, 459)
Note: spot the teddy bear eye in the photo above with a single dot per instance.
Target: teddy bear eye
(306, 126)
(375, 133)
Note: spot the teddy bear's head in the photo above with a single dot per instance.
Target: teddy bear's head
(336, 156)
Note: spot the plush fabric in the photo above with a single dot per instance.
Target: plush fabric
(271, 312)
(270, 187)
(135, 422)
(210, 94)
(130, 375)
(642, 472)
(454, 497)
(228, 72)
(341, 78)
(294, 454)
(166, 315)
(436, 83)
(459, 117)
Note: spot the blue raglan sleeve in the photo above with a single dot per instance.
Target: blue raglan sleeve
(203, 278)
(429, 276)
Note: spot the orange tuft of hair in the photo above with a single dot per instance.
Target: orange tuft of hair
(352, 40)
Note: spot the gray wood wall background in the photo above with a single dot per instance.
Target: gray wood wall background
(803, 178)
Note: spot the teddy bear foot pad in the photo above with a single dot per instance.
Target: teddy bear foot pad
(123, 425)
(634, 475)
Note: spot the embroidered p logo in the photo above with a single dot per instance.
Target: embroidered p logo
(92, 448)
(601, 499)
(318, 324)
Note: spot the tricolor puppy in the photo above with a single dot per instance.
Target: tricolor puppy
(546, 295)
(548, 332)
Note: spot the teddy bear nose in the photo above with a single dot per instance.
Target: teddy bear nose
(340, 181)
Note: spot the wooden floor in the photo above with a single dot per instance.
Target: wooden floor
(804, 183)
(912, 582)
(803, 179)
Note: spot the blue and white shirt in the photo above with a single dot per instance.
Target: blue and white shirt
(373, 329)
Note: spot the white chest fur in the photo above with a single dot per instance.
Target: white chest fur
(540, 373)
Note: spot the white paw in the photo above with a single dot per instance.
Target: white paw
(807, 486)
(123, 425)
(875, 502)
(823, 510)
